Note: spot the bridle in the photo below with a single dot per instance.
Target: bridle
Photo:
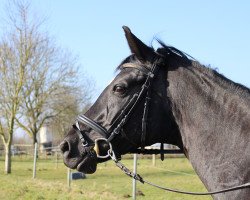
(116, 127)
(121, 120)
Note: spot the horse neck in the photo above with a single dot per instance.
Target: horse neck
(213, 119)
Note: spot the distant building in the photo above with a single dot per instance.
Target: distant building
(158, 146)
(45, 139)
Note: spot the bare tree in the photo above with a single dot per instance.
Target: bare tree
(14, 56)
(53, 76)
(61, 124)
(38, 78)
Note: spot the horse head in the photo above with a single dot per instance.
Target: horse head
(133, 111)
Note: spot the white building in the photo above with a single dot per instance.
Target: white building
(45, 138)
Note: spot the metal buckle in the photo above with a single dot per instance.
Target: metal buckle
(96, 148)
(112, 156)
(80, 134)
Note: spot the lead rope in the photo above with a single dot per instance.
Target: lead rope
(137, 177)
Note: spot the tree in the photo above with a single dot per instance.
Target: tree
(53, 76)
(14, 56)
(38, 78)
(60, 124)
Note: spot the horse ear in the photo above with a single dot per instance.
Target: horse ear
(137, 47)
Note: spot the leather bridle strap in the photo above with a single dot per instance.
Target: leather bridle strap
(93, 125)
(135, 101)
(146, 108)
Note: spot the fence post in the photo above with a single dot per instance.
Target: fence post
(153, 160)
(35, 159)
(134, 181)
(56, 159)
(69, 177)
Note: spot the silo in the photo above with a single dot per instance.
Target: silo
(45, 138)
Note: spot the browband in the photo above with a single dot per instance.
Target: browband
(143, 68)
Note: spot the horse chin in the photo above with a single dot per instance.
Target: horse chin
(88, 165)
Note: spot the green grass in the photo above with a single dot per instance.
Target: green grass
(106, 184)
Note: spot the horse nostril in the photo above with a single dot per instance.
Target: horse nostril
(64, 146)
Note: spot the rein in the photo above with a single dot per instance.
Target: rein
(137, 177)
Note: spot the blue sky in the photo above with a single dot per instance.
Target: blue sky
(214, 32)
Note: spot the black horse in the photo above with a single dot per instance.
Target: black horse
(165, 96)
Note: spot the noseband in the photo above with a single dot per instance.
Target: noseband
(121, 120)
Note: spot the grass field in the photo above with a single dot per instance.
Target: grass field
(106, 184)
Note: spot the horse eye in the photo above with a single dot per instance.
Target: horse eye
(119, 89)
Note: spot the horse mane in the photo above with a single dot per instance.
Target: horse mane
(181, 56)
(167, 50)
